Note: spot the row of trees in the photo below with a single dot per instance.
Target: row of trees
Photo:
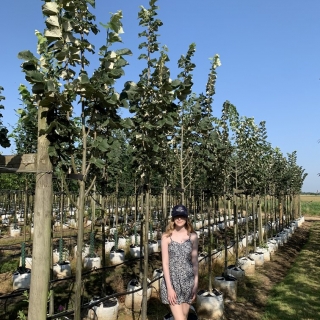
(173, 138)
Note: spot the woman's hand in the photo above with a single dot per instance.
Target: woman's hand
(172, 297)
(194, 293)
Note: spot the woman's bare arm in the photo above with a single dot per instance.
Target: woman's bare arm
(165, 267)
(195, 264)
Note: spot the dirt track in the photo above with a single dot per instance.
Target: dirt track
(254, 294)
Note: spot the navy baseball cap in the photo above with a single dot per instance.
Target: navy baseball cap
(179, 210)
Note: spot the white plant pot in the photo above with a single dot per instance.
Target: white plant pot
(217, 256)
(89, 223)
(213, 227)
(5, 222)
(284, 236)
(236, 272)
(133, 301)
(243, 241)
(279, 240)
(221, 225)
(198, 232)
(56, 255)
(133, 239)
(28, 262)
(92, 262)
(227, 285)
(203, 258)
(157, 274)
(113, 230)
(62, 270)
(135, 251)
(73, 223)
(122, 242)
(85, 251)
(272, 245)
(154, 235)
(153, 246)
(266, 253)
(106, 310)
(108, 246)
(210, 305)
(21, 280)
(57, 225)
(117, 257)
(288, 232)
(248, 265)
(15, 232)
(258, 257)
(198, 224)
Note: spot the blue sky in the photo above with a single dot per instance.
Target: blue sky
(270, 54)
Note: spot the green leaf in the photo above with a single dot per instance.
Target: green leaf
(124, 103)
(60, 56)
(123, 52)
(52, 21)
(26, 55)
(50, 8)
(38, 88)
(84, 78)
(175, 83)
(34, 76)
(92, 3)
(97, 162)
(50, 86)
(103, 145)
(28, 66)
(52, 151)
(53, 33)
(116, 73)
(127, 123)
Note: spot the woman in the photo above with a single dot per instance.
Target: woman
(179, 247)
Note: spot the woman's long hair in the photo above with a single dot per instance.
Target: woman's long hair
(171, 226)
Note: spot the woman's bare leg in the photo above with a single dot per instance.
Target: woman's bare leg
(178, 312)
(185, 309)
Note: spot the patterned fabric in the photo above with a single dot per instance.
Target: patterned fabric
(181, 272)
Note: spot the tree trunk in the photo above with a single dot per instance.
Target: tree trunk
(78, 284)
(146, 254)
(259, 220)
(41, 253)
(81, 199)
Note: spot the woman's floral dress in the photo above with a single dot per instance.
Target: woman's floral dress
(181, 272)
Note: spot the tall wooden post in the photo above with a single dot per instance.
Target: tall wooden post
(41, 253)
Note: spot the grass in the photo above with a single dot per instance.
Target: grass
(298, 295)
(9, 266)
(310, 205)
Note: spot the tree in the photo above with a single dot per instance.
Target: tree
(151, 100)
(4, 141)
(62, 57)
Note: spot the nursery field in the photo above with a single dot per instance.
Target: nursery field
(284, 288)
(310, 205)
